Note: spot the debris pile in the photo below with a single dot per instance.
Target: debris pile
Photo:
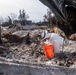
(27, 46)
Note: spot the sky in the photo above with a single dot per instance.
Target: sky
(34, 8)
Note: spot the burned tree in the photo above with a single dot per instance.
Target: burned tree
(23, 17)
(50, 18)
(9, 21)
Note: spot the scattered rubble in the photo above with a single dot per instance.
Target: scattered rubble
(30, 49)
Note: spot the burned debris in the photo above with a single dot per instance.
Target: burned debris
(27, 45)
(21, 41)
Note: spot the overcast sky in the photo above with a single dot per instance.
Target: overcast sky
(34, 8)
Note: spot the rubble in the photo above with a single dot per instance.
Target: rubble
(31, 49)
(16, 37)
(2, 49)
(72, 37)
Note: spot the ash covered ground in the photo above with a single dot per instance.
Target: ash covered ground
(33, 51)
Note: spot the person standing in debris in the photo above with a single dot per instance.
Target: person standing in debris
(55, 40)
